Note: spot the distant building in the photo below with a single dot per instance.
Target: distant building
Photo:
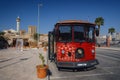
(101, 39)
(13, 35)
(115, 36)
(10, 30)
(9, 33)
(43, 37)
(22, 32)
(118, 36)
(32, 30)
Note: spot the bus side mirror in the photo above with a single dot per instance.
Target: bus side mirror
(97, 32)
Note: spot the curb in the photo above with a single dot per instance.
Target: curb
(109, 48)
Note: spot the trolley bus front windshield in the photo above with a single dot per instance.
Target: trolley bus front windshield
(80, 33)
(65, 33)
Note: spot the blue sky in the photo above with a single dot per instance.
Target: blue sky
(53, 11)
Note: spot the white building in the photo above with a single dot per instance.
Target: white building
(115, 36)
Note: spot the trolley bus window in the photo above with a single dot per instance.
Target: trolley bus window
(90, 34)
(65, 33)
(79, 33)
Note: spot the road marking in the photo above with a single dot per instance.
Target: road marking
(109, 57)
(113, 49)
(86, 75)
(111, 67)
(106, 70)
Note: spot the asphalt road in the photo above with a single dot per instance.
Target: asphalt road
(108, 69)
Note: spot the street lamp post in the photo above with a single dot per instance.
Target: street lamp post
(39, 5)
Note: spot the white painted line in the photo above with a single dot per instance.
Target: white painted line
(109, 57)
(107, 70)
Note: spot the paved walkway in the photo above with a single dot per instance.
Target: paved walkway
(19, 65)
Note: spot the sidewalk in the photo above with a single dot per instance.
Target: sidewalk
(110, 48)
(20, 65)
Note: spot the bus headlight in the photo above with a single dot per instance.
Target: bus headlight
(93, 51)
(63, 52)
(79, 53)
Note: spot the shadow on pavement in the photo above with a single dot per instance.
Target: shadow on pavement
(6, 60)
(21, 60)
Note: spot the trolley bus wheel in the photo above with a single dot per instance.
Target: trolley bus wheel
(74, 70)
(59, 68)
(90, 68)
(85, 69)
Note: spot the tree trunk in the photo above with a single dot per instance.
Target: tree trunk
(99, 29)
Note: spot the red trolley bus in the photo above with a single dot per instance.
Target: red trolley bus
(72, 44)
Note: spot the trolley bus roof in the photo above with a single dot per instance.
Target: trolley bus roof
(75, 22)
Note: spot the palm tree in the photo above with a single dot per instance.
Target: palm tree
(99, 22)
(35, 36)
(111, 30)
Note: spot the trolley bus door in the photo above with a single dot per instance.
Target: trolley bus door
(51, 46)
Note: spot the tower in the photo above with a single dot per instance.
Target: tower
(18, 23)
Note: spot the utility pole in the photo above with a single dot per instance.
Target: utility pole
(39, 5)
